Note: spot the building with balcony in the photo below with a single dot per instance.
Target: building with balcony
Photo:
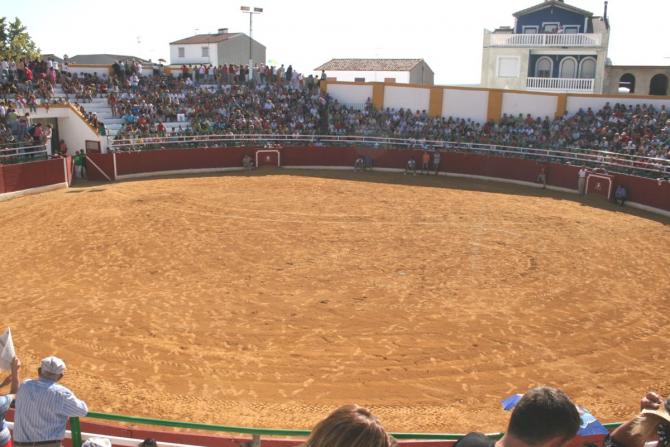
(552, 47)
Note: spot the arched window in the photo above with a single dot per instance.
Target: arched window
(659, 85)
(544, 67)
(568, 68)
(627, 82)
(587, 68)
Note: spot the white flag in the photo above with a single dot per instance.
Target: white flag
(6, 350)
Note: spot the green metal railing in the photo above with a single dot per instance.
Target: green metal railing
(256, 433)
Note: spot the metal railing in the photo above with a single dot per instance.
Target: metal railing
(545, 40)
(574, 85)
(611, 161)
(22, 154)
(256, 433)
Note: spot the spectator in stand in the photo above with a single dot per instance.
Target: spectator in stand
(97, 442)
(349, 426)
(38, 134)
(6, 400)
(544, 417)
(48, 133)
(43, 407)
(652, 424)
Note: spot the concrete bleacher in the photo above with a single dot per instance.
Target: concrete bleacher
(103, 111)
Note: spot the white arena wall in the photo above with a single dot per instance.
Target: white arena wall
(351, 95)
(477, 104)
(414, 98)
(465, 104)
(524, 103)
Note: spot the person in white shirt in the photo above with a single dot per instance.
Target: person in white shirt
(581, 180)
(43, 407)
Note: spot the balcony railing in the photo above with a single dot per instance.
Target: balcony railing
(545, 40)
(569, 85)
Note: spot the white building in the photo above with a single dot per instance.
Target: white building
(553, 46)
(216, 49)
(402, 71)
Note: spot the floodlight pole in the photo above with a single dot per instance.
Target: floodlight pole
(251, 12)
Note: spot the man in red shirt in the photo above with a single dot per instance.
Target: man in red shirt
(425, 162)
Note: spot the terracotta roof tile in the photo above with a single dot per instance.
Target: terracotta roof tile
(369, 64)
(205, 38)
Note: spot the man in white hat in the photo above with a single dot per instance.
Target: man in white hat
(43, 407)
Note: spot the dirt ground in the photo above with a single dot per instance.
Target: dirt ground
(268, 300)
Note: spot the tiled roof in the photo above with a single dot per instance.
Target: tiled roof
(103, 59)
(558, 3)
(205, 38)
(369, 65)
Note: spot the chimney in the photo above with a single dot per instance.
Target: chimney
(605, 13)
(223, 30)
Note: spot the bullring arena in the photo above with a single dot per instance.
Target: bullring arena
(269, 298)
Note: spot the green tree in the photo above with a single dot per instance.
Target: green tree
(15, 42)
(3, 35)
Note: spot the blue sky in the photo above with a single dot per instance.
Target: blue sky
(448, 34)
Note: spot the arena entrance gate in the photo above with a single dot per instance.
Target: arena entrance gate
(268, 157)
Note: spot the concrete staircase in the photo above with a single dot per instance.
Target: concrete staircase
(103, 111)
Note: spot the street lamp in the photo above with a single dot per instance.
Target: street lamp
(251, 12)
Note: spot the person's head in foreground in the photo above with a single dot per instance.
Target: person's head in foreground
(51, 368)
(544, 417)
(349, 426)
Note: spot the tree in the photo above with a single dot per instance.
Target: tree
(3, 35)
(15, 42)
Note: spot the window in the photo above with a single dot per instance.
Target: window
(658, 85)
(550, 27)
(568, 68)
(508, 66)
(530, 29)
(571, 29)
(627, 83)
(359, 79)
(587, 68)
(544, 67)
(205, 51)
(180, 52)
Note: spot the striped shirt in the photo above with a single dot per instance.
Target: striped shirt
(5, 435)
(42, 409)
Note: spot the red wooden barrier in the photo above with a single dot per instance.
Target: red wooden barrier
(100, 167)
(22, 176)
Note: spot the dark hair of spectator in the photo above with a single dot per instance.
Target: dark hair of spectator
(543, 414)
(349, 426)
(149, 442)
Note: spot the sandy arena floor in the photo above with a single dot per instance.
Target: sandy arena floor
(268, 300)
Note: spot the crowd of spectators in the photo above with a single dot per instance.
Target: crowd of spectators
(224, 100)
(279, 106)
